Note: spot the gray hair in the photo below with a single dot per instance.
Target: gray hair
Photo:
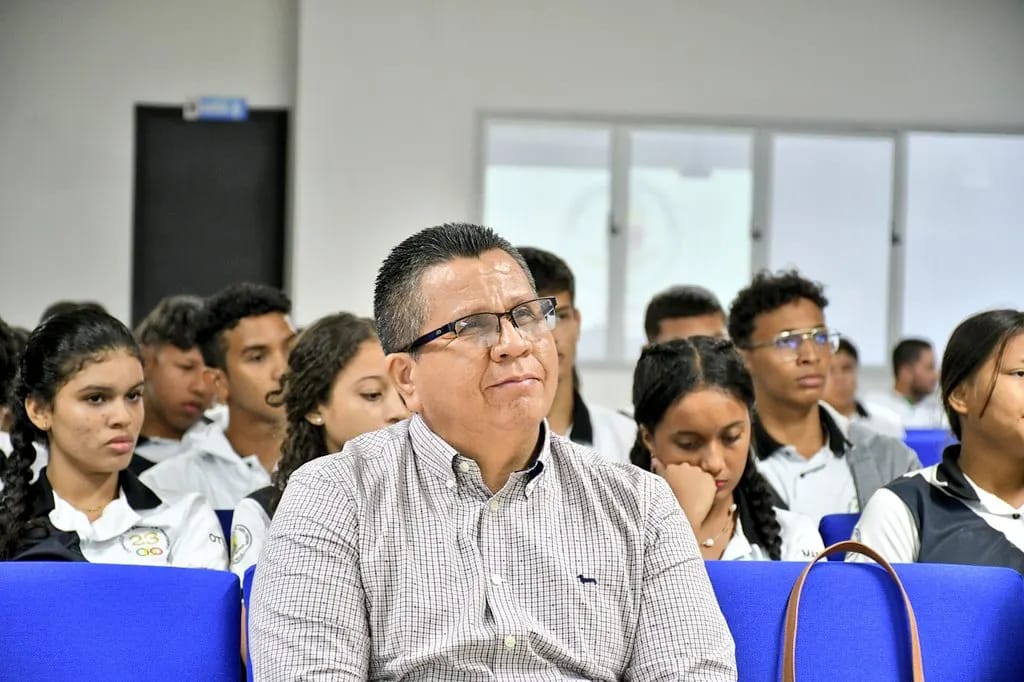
(399, 307)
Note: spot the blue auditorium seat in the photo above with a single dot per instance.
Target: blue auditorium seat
(246, 593)
(84, 622)
(852, 624)
(835, 528)
(928, 444)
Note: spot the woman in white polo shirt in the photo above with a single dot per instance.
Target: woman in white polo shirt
(335, 389)
(692, 400)
(969, 508)
(79, 392)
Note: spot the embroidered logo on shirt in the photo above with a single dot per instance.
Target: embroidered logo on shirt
(146, 541)
(241, 540)
(584, 580)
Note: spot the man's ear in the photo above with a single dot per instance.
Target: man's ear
(220, 384)
(402, 371)
(39, 413)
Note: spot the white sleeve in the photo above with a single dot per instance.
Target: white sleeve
(887, 526)
(198, 540)
(800, 538)
(248, 534)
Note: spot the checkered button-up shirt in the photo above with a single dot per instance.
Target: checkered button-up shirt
(392, 560)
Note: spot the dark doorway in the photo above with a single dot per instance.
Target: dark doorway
(209, 203)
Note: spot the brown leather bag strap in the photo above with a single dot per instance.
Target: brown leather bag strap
(793, 610)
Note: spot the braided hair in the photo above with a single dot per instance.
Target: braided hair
(665, 373)
(56, 350)
(320, 354)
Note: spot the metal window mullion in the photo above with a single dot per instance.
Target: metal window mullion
(761, 209)
(618, 242)
(898, 240)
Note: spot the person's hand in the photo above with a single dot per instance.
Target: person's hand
(694, 488)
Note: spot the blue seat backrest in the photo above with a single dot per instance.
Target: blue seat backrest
(852, 627)
(84, 622)
(928, 444)
(224, 516)
(836, 528)
(250, 573)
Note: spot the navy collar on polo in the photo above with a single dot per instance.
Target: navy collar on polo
(765, 444)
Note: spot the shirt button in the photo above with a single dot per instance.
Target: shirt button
(510, 642)
(450, 484)
(493, 506)
(464, 467)
(1016, 516)
(496, 579)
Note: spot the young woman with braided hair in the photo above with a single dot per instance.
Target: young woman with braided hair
(336, 388)
(79, 392)
(692, 401)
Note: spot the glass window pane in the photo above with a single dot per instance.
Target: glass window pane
(831, 217)
(690, 204)
(549, 186)
(965, 220)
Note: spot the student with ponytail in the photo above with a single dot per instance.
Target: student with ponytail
(79, 392)
(336, 388)
(692, 400)
(968, 508)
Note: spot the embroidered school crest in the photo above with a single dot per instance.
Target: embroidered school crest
(146, 542)
(241, 541)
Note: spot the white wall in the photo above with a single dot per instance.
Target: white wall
(70, 76)
(388, 95)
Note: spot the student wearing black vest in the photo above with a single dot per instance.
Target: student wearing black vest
(79, 392)
(336, 388)
(967, 509)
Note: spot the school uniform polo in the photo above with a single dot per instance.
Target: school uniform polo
(150, 450)
(249, 526)
(800, 540)
(209, 466)
(606, 431)
(815, 486)
(939, 515)
(924, 414)
(139, 527)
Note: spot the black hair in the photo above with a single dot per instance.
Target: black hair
(9, 353)
(232, 304)
(907, 352)
(61, 307)
(550, 273)
(175, 320)
(665, 373)
(765, 293)
(846, 346)
(398, 305)
(57, 349)
(321, 352)
(679, 301)
(973, 341)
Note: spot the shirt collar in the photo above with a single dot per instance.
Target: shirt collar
(765, 444)
(211, 439)
(952, 477)
(582, 431)
(135, 492)
(439, 457)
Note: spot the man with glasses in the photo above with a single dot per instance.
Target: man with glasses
(816, 460)
(469, 542)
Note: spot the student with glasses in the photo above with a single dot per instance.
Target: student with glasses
(815, 459)
(469, 542)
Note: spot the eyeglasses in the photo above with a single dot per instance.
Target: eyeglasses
(789, 342)
(531, 318)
